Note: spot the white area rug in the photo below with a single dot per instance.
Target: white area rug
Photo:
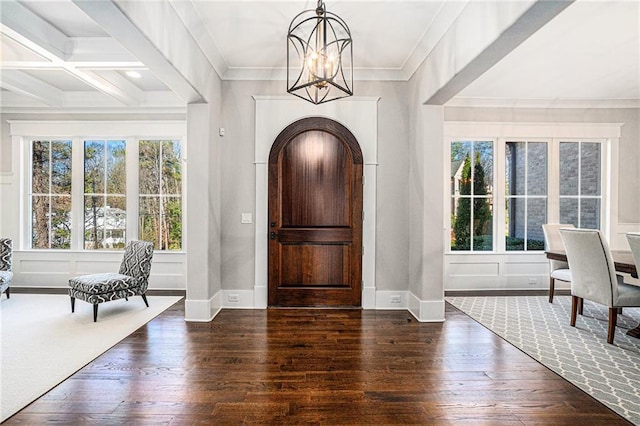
(581, 354)
(43, 343)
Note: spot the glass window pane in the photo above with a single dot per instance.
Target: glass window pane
(537, 168)
(516, 153)
(115, 222)
(116, 167)
(172, 227)
(569, 211)
(94, 209)
(61, 222)
(40, 167)
(460, 155)
(590, 213)
(569, 154)
(515, 226)
(149, 165)
(483, 168)
(482, 225)
(590, 168)
(536, 217)
(461, 225)
(149, 219)
(94, 163)
(40, 221)
(171, 168)
(61, 167)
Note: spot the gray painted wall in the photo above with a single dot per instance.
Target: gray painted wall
(238, 181)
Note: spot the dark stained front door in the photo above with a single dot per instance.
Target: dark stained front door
(315, 216)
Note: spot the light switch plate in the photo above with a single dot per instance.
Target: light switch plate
(246, 218)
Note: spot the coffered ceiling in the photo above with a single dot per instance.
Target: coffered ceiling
(76, 53)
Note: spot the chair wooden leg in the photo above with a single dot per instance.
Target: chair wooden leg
(574, 310)
(580, 305)
(619, 311)
(73, 304)
(144, 297)
(613, 319)
(8, 291)
(552, 283)
(95, 312)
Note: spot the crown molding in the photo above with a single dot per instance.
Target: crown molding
(543, 103)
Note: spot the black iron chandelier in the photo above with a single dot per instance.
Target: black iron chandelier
(319, 56)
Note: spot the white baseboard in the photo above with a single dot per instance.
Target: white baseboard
(202, 310)
(426, 310)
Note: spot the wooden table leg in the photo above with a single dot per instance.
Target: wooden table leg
(634, 332)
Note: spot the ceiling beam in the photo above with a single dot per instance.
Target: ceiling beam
(143, 27)
(24, 84)
(475, 56)
(35, 29)
(22, 35)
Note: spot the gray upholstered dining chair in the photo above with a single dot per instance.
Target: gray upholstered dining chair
(594, 276)
(634, 243)
(6, 274)
(131, 279)
(558, 270)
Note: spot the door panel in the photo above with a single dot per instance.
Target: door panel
(315, 216)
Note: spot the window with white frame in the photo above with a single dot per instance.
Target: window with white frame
(525, 195)
(160, 188)
(105, 205)
(96, 193)
(581, 183)
(50, 198)
(472, 195)
(536, 180)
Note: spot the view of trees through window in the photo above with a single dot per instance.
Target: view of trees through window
(472, 195)
(104, 194)
(51, 194)
(160, 187)
(95, 192)
(524, 207)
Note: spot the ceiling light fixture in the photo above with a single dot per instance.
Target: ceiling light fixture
(319, 56)
(133, 74)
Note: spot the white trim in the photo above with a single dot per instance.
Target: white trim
(461, 129)
(272, 115)
(426, 310)
(384, 299)
(147, 128)
(542, 103)
(202, 310)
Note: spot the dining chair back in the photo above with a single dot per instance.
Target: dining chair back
(558, 270)
(594, 275)
(634, 242)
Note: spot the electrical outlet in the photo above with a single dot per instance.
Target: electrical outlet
(232, 297)
(533, 281)
(395, 299)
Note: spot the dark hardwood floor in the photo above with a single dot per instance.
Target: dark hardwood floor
(318, 367)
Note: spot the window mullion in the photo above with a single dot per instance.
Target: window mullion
(499, 194)
(132, 188)
(77, 194)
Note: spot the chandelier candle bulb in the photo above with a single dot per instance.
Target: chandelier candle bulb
(319, 56)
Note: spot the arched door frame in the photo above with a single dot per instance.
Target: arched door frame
(275, 113)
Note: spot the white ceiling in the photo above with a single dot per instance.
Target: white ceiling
(589, 52)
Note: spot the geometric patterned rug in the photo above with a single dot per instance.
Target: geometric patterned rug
(580, 354)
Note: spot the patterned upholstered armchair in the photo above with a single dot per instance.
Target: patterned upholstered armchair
(5, 266)
(131, 280)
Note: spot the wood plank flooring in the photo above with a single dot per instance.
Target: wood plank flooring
(314, 366)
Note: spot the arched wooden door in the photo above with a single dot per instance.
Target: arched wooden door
(315, 216)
